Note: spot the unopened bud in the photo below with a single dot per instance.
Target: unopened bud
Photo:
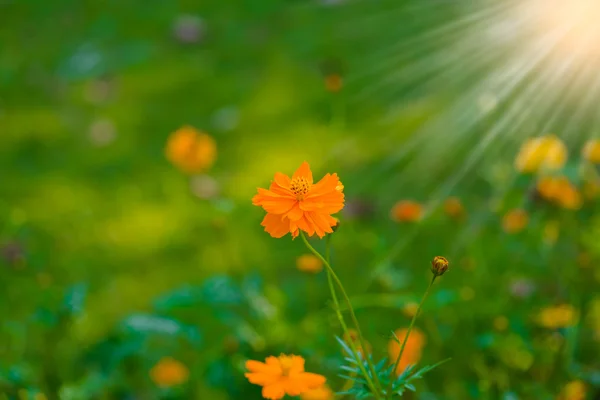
(439, 265)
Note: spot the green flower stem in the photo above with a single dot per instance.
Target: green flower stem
(350, 382)
(331, 277)
(410, 327)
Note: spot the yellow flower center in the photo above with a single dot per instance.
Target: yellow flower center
(300, 187)
(286, 364)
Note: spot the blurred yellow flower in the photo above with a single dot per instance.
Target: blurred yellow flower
(453, 208)
(169, 372)
(410, 309)
(406, 211)
(545, 152)
(309, 263)
(591, 151)
(575, 390)
(515, 221)
(412, 350)
(321, 393)
(333, 83)
(555, 317)
(191, 150)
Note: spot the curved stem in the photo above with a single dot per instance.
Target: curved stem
(410, 327)
(331, 277)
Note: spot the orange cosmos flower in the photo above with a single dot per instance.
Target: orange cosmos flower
(296, 203)
(515, 221)
(407, 211)
(191, 150)
(169, 372)
(412, 350)
(282, 375)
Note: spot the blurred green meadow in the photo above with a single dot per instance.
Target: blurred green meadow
(113, 260)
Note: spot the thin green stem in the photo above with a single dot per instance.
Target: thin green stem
(331, 277)
(410, 327)
(349, 383)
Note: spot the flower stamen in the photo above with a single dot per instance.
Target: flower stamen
(286, 363)
(300, 186)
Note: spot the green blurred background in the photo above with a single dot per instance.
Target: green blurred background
(113, 259)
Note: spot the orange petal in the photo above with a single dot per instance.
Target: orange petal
(273, 202)
(303, 224)
(295, 213)
(327, 184)
(262, 379)
(297, 364)
(312, 381)
(257, 366)
(304, 172)
(276, 225)
(295, 387)
(274, 392)
(282, 180)
(322, 225)
(281, 185)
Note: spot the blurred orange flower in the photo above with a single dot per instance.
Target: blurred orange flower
(412, 350)
(191, 150)
(591, 151)
(352, 336)
(454, 208)
(309, 263)
(575, 390)
(406, 211)
(282, 375)
(570, 198)
(333, 83)
(515, 220)
(545, 152)
(169, 372)
(555, 317)
(294, 204)
(561, 191)
(321, 393)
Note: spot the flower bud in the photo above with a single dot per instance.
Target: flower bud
(439, 265)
